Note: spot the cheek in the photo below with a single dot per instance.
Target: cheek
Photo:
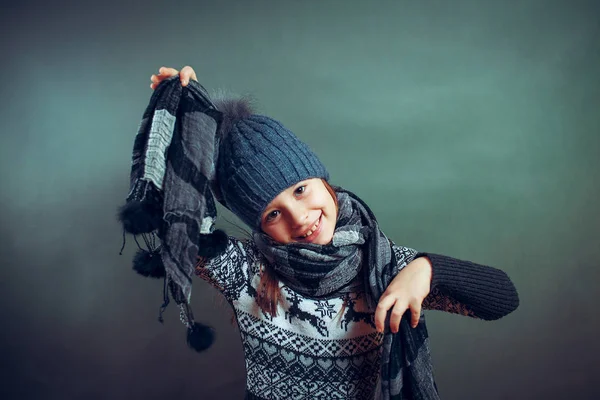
(277, 232)
(270, 230)
(333, 216)
(332, 208)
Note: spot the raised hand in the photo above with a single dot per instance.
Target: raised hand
(185, 75)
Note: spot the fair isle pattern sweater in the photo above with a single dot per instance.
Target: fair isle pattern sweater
(309, 350)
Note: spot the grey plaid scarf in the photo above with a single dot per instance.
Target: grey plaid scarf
(322, 271)
(171, 176)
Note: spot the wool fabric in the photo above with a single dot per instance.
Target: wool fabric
(258, 159)
(361, 252)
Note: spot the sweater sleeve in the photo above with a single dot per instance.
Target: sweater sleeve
(485, 292)
(228, 271)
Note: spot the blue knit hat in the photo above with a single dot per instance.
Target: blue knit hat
(258, 159)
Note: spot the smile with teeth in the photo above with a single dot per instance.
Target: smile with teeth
(311, 230)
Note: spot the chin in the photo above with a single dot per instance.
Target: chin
(325, 241)
(326, 236)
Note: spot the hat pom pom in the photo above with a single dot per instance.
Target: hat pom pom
(233, 109)
(140, 217)
(149, 264)
(213, 244)
(200, 337)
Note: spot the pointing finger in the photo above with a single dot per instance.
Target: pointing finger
(415, 315)
(397, 313)
(385, 303)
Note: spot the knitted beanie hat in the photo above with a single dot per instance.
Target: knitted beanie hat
(258, 159)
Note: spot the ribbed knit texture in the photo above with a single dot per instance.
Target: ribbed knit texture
(308, 351)
(259, 158)
(488, 291)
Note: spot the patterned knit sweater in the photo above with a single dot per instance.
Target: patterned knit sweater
(317, 349)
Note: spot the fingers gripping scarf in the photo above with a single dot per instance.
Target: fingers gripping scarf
(171, 175)
(324, 271)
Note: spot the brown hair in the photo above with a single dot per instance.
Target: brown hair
(268, 291)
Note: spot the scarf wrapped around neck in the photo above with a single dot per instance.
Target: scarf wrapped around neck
(359, 254)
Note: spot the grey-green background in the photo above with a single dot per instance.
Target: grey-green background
(470, 127)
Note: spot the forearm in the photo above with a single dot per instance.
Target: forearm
(488, 293)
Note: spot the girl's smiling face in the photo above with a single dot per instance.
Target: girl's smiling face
(305, 213)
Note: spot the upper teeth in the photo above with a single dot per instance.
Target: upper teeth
(314, 228)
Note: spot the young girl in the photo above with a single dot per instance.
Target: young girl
(327, 306)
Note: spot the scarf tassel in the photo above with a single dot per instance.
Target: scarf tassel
(143, 211)
(200, 337)
(149, 264)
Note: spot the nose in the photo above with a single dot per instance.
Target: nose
(299, 216)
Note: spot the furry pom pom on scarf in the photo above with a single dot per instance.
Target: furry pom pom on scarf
(172, 171)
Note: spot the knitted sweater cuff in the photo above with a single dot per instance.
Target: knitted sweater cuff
(488, 291)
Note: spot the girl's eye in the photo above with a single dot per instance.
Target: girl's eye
(300, 189)
(272, 215)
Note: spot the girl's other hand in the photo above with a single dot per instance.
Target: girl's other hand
(406, 291)
(185, 75)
